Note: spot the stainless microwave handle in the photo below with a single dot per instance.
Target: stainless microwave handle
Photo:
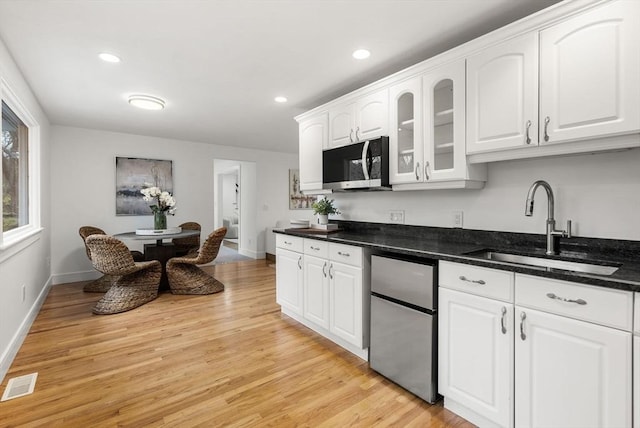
(365, 167)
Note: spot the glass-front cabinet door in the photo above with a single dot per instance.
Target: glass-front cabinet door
(405, 132)
(444, 157)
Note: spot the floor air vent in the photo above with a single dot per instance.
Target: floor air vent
(19, 386)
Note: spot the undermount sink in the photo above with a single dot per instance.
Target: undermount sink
(598, 269)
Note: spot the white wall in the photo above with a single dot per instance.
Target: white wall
(83, 185)
(600, 193)
(28, 267)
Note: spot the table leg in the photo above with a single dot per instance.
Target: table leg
(162, 253)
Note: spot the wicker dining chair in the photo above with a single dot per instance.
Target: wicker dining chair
(134, 283)
(185, 277)
(189, 244)
(102, 284)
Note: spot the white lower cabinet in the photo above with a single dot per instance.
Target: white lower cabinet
(476, 355)
(316, 290)
(346, 294)
(525, 351)
(326, 286)
(570, 373)
(290, 277)
(636, 362)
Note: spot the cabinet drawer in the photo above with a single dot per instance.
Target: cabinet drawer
(636, 317)
(599, 305)
(292, 243)
(316, 248)
(496, 284)
(346, 254)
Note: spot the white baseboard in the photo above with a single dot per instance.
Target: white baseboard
(252, 254)
(63, 278)
(16, 341)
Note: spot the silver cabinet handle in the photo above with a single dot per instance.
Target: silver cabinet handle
(504, 315)
(546, 126)
(475, 281)
(340, 253)
(324, 269)
(314, 248)
(417, 171)
(288, 243)
(563, 299)
(426, 170)
(330, 272)
(357, 136)
(299, 261)
(528, 140)
(351, 135)
(523, 316)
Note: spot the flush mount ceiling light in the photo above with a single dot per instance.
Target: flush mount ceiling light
(280, 99)
(146, 102)
(361, 54)
(108, 57)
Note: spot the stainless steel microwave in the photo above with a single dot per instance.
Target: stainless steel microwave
(359, 166)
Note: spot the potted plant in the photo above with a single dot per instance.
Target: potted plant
(323, 207)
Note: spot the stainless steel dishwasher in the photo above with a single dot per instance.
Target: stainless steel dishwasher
(403, 344)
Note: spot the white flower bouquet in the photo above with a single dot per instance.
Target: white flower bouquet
(164, 200)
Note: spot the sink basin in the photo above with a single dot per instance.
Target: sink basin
(518, 259)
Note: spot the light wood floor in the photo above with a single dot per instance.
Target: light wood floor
(229, 359)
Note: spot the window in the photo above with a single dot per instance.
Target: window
(15, 170)
(20, 169)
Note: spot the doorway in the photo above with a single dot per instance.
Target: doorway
(234, 204)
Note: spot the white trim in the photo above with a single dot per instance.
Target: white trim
(12, 237)
(16, 341)
(10, 248)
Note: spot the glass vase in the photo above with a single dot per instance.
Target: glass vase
(159, 220)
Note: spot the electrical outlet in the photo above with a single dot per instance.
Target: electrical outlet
(24, 292)
(396, 216)
(456, 217)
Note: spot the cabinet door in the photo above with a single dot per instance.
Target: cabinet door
(502, 96)
(475, 354)
(342, 121)
(289, 277)
(589, 68)
(372, 116)
(570, 373)
(405, 136)
(444, 112)
(346, 302)
(316, 290)
(313, 139)
(636, 382)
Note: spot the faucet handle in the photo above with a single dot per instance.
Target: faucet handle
(568, 231)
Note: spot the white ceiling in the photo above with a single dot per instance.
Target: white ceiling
(220, 63)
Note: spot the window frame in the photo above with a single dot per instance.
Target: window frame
(19, 234)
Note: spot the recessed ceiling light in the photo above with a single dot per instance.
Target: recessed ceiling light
(280, 99)
(361, 54)
(146, 102)
(108, 57)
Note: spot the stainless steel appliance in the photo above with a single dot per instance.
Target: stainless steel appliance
(403, 344)
(358, 166)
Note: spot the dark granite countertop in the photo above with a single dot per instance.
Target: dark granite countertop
(455, 244)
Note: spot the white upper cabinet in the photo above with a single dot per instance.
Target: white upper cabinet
(427, 138)
(502, 96)
(444, 120)
(589, 74)
(313, 139)
(574, 81)
(405, 131)
(363, 119)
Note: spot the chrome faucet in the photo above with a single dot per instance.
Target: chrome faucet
(553, 235)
